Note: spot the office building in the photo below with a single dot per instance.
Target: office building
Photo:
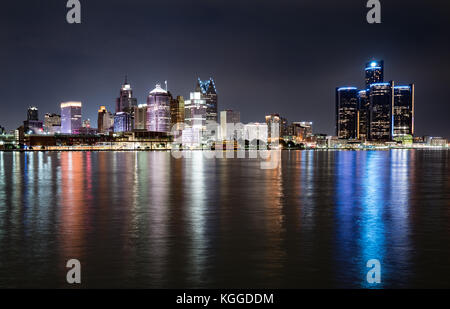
(32, 125)
(381, 98)
(363, 114)
(208, 92)
(122, 122)
(105, 121)
(374, 72)
(158, 110)
(52, 123)
(177, 113)
(140, 117)
(70, 117)
(403, 110)
(346, 112)
(126, 102)
(228, 121)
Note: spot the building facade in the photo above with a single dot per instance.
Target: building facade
(177, 113)
(208, 92)
(381, 111)
(228, 121)
(374, 72)
(105, 120)
(140, 117)
(403, 110)
(363, 115)
(52, 123)
(126, 102)
(346, 112)
(122, 122)
(70, 117)
(158, 110)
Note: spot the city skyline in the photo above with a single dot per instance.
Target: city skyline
(287, 54)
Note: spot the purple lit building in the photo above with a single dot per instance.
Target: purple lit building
(158, 110)
(70, 117)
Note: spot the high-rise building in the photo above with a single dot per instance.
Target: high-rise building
(105, 120)
(158, 110)
(280, 121)
(403, 110)
(122, 122)
(208, 92)
(140, 117)
(195, 111)
(32, 113)
(301, 130)
(177, 113)
(346, 112)
(70, 117)
(374, 72)
(126, 102)
(363, 114)
(32, 125)
(228, 121)
(52, 123)
(381, 98)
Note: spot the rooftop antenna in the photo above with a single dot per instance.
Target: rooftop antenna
(126, 79)
(166, 84)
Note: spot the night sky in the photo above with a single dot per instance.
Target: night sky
(280, 56)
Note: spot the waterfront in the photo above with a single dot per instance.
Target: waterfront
(145, 219)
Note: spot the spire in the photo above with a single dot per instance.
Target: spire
(126, 79)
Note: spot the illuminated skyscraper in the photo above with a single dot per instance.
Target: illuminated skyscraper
(381, 98)
(374, 72)
(104, 120)
(208, 90)
(280, 121)
(158, 110)
(140, 117)
(363, 114)
(52, 123)
(125, 102)
(32, 113)
(70, 117)
(122, 122)
(195, 111)
(32, 125)
(346, 112)
(228, 120)
(404, 110)
(177, 112)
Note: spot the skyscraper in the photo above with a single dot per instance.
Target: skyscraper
(374, 72)
(177, 112)
(125, 102)
(282, 123)
(122, 122)
(32, 113)
(70, 117)
(158, 110)
(195, 111)
(52, 123)
(403, 110)
(208, 92)
(363, 114)
(381, 111)
(346, 112)
(140, 117)
(32, 125)
(228, 120)
(104, 120)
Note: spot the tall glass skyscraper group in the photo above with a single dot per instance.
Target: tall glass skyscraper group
(381, 112)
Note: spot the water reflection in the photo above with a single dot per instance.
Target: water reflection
(145, 219)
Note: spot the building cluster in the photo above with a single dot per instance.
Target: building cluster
(382, 111)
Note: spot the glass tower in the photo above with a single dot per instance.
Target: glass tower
(158, 110)
(374, 72)
(404, 110)
(381, 111)
(70, 117)
(346, 112)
